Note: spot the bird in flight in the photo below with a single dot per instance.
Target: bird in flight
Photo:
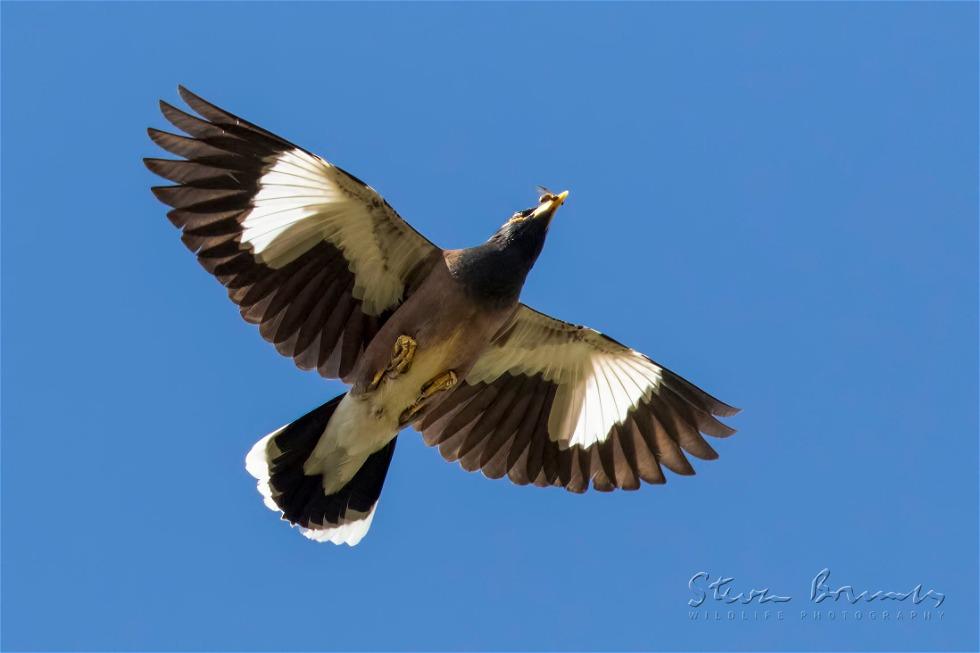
(425, 337)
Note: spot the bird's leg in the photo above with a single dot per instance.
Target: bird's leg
(445, 381)
(401, 359)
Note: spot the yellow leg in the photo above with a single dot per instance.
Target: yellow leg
(445, 381)
(401, 358)
(402, 355)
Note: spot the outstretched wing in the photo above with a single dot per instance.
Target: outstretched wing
(308, 252)
(553, 403)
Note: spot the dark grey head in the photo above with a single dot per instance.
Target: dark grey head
(525, 231)
(496, 269)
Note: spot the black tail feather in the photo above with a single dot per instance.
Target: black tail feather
(277, 462)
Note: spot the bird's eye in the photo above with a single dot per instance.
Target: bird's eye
(544, 198)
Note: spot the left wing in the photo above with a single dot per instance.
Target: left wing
(313, 255)
(553, 403)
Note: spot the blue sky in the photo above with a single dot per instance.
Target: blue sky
(778, 201)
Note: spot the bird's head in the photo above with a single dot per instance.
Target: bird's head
(497, 268)
(526, 229)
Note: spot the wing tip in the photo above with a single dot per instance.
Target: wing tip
(724, 410)
(156, 166)
(160, 192)
(714, 428)
(190, 97)
(706, 452)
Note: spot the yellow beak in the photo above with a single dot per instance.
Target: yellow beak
(552, 203)
(549, 205)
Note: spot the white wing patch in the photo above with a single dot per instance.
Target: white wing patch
(599, 381)
(303, 200)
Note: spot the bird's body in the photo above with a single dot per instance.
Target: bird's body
(440, 312)
(450, 333)
(436, 339)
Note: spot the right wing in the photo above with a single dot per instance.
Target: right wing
(307, 251)
(553, 403)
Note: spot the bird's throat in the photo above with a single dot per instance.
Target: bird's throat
(493, 275)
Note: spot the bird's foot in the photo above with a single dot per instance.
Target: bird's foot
(402, 355)
(401, 359)
(445, 381)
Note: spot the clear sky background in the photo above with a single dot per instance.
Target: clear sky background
(778, 201)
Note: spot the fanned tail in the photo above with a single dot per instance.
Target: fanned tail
(342, 517)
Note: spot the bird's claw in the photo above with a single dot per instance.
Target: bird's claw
(401, 359)
(402, 355)
(445, 381)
